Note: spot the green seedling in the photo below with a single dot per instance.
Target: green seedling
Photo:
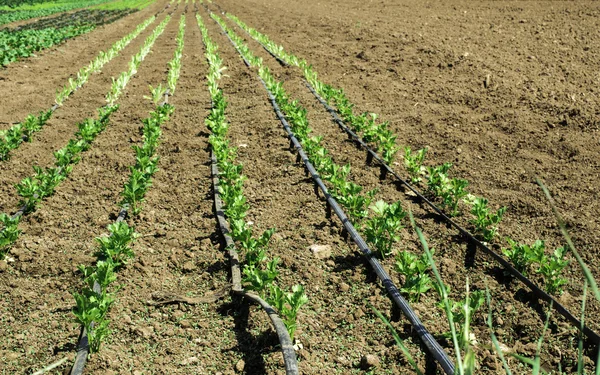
(414, 270)
(551, 268)
(523, 255)
(103, 273)
(9, 234)
(453, 194)
(463, 312)
(116, 246)
(156, 93)
(30, 191)
(258, 279)
(485, 221)
(288, 305)
(135, 189)
(437, 179)
(91, 312)
(381, 230)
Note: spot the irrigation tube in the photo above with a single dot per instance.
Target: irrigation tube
(287, 347)
(83, 345)
(432, 345)
(540, 293)
(385, 168)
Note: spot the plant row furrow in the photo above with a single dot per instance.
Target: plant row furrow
(41, 185)
(257, 274)
(11, 139)
(95, 300)
(319, 165)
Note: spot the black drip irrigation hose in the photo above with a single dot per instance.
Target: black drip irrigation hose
(428, 340)
(287, 347)
(236, 278)
(432, 345)
(385, 169)
(83, 345)
(279, 60)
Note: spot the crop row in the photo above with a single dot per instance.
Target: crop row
(450, 191)
(258, 272)
(115, 249)
(380, 229)
(11, 138)
(35, 188)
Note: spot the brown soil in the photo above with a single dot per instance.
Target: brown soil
(26, 93)
(420, 66)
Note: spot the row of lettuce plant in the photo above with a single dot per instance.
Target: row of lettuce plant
(93, 303)
(258, 273)
(28, 12)
(382, 227)
(449, 191)
(12, 138)
(34, 189)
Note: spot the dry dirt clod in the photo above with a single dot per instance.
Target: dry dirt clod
(344, 287)
(321, 251)
(369, 361)
(239, 366)
(188, 267)
(189, 361)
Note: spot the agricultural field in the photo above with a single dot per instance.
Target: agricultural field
(276, 187)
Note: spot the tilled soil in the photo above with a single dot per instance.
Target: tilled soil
(26, 93)
(420, 66)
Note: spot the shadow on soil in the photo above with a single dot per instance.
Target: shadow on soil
(248, 343)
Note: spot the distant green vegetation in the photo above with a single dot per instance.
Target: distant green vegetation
(25, 40)
(26, 10)
(14, 45)
(126, 4)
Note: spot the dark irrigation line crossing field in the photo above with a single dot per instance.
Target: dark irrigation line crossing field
(157, 325)
(403, 183)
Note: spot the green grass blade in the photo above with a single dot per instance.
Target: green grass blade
(443, 293)
(494, 338)
(586, 271)
(580, 344)
(398, 340)
(537, 364)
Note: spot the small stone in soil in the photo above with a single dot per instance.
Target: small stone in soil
(239, 366)
(368, 361)
(321, 251)
(189, 361)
